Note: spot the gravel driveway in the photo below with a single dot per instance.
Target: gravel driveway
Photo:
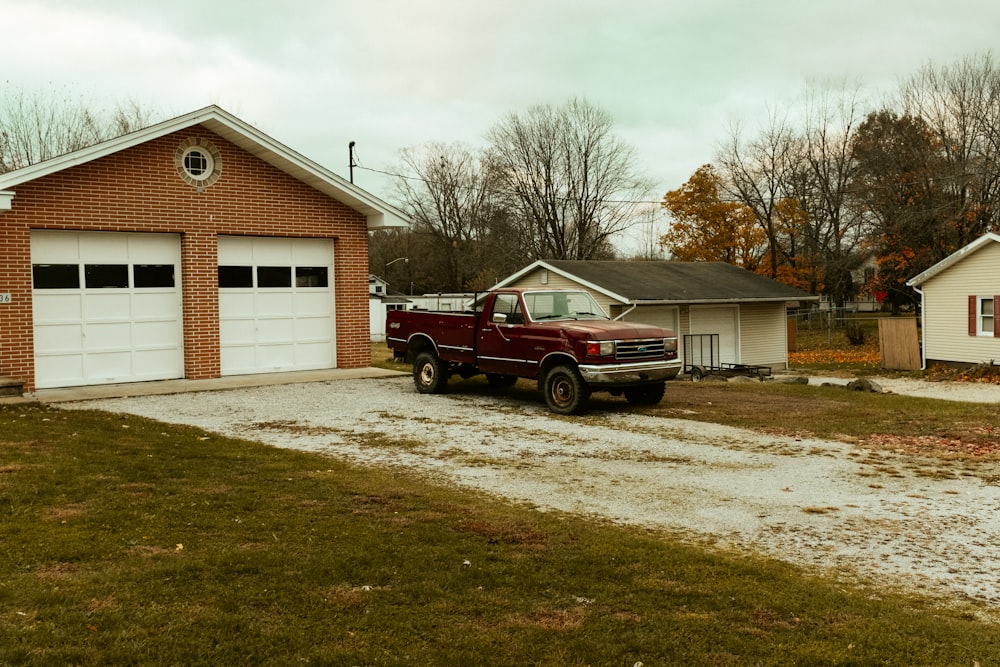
(874, 517)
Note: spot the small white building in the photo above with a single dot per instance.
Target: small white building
(380, 301)
(959, 297)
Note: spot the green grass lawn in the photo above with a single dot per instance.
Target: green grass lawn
(127, 541)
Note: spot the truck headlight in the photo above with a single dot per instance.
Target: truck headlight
(600, 348)
(669, 345)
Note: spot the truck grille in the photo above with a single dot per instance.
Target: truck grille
(626, 350)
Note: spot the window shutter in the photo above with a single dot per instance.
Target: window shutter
(972, 315)
(996, 316)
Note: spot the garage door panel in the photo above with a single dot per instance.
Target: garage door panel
(101, 248)
(155, 306)
(234, 304)
(275, 303)
(313, 329)
(153, 334)
(60, 338)
(313, 355)
(60, 308)
(112, 366)
(106, 306)
(108, 336)
(312, 303)
(60, 370)
(237, 332)
(55, 248)
(275, 357)
(146, 363)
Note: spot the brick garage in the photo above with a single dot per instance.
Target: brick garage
(190, 180)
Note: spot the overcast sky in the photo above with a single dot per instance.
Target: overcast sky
(388, 74)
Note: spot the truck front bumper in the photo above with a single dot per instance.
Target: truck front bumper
(631, 373)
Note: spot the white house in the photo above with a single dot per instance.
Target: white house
(959, 297)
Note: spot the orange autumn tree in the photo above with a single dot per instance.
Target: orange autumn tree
(707, 228)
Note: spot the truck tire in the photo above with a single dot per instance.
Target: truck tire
(565, 391)
(430, 374)
(647, 394)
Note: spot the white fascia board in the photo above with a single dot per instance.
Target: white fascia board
(953, 258)
(541, 264)
(379, 214)
(6, 200)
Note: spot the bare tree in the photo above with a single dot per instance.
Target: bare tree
(834, 230)
(37, 126)
(572, 182)
(463, 230)
(961, 106)
(757, 175)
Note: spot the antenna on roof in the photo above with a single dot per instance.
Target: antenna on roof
(350, 160)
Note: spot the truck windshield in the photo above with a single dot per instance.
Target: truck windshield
(562, 306)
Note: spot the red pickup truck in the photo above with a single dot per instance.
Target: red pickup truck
(561, 338)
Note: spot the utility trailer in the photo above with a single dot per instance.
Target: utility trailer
(701, 358)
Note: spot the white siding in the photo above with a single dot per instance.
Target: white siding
(946, 308)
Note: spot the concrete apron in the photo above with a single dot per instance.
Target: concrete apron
(90, 392)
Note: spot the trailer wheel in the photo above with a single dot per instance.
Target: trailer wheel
(647, 394)
(430, 374)
(565, 391)
(697, 373)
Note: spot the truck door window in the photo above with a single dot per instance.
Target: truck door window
(508, 305)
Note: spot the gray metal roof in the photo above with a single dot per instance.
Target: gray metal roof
(678, 282)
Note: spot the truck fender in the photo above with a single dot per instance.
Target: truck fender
(417, 343)
(552, 360)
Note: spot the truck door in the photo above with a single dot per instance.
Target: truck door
(500, 346)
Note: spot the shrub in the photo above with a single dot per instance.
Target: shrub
(855, 334)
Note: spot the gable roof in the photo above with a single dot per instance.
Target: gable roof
(378, 213)
(953, 259)
(669, 282)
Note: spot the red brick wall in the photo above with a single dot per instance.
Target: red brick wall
(139, 190)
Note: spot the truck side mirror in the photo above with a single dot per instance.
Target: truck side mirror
(499, 318)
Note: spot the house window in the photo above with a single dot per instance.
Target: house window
(986, 316)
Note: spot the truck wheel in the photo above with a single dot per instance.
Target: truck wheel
(497, 380)
(565, 391)
(647, 394)
(430, 374)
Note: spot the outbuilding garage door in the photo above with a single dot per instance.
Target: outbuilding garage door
(106, 308)
(276, 304)
(722, 320)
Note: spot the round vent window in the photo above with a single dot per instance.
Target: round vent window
(198, 162)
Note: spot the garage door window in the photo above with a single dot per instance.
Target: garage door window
(311, 276)
(153, 275)
(106, 276)
(274, 276)
(235, 277)
(56, 276)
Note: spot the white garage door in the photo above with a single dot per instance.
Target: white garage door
(276, 305)
(107, 308)
(722, 320)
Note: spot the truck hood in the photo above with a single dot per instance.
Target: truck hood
(609, 330)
